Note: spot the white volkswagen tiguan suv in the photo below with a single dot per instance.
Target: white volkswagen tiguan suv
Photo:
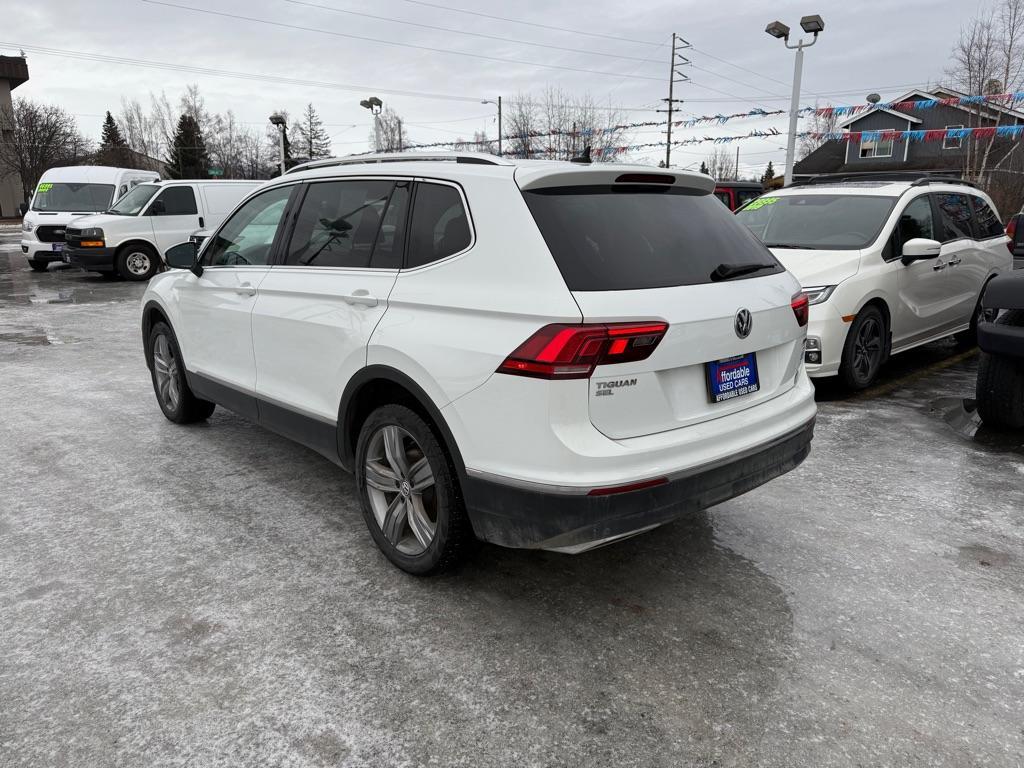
(536, 354)
(888, 263)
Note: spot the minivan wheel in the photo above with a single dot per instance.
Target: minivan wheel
(864, 350)
(137, 262)
(409, 492)
(173, 395)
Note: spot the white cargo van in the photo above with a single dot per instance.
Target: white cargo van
(66, 193)
(130, 239)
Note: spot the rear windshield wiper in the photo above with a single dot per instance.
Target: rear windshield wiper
(729, 271)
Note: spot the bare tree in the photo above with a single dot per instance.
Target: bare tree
(561, 126)
(138, 130)
(224, 143)
(255, 161)
(38, 137)
(721, 164)
(816, 124)
(389, 134)
(988, 59)
(164, 120)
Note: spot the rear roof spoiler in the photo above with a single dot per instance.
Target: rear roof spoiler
(560, 175)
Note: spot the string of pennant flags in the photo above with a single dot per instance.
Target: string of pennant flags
(1003, 99)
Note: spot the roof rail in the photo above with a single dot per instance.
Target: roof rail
(470, 158)
(916, 178)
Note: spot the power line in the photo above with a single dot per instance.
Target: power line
(391, 42)
(464, 31)
(103, 58)
(528, 23)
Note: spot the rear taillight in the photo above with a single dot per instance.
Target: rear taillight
(1011, 232)
(801, 308)
(573, 351)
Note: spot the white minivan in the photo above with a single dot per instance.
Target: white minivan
(66, 193)
(130, 239)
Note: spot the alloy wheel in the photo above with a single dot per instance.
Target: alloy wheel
(867, 348)
(400, 485)
(165, 369)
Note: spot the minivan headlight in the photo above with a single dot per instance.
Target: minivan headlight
(819, 294)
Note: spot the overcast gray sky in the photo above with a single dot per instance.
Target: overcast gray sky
(868, 45)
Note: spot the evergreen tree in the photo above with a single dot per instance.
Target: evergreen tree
(703, 167)
(311, 140)
(188, 158)
(769, 174)
(113, 148)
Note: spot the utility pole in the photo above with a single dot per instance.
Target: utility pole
(399, 134)
(677, 44)
(737, 174)
(499, 126)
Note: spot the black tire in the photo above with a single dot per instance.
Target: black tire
(38, 266)
(173, 395)
(137, 262)
(1000, 387)
(439, 503)
(865, 348)
(112, 275)
(969, 338)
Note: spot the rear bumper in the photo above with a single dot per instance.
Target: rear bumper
(517, 514)
(1002, 340)
(99, 259)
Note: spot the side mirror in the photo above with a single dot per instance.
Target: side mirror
(919, 249)
(157, 208)
(184, 256)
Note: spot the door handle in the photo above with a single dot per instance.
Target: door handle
(939, 266)
(954, 261)
(245, 289)
(361, 297)
(202, 223)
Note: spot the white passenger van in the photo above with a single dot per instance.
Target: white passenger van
(67, 193)
(130, 239)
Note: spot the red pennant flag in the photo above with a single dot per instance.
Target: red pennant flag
(983, 133)
(935, 135)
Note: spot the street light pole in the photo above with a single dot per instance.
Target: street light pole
(375, 106)
(278, 120)
(812, 25)
(498, 105)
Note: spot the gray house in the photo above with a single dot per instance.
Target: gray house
(947, 156)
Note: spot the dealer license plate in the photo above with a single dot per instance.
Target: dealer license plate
(57, 246)
(732, 377)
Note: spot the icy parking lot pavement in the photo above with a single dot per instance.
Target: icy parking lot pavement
(209, 595)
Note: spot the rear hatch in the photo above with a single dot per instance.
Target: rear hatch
(633, 248)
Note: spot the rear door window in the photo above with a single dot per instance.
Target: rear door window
(440, 225)
(625, 237)
(986, 223)
(339, 223)
(955, 210)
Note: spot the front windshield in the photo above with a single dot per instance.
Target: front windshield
(65, 197)
(817, 222)
(134, 201)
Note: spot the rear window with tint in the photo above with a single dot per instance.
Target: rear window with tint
(608, 238)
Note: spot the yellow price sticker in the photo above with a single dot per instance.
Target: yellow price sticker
(45, 187)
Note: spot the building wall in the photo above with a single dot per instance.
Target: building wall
(10, 186)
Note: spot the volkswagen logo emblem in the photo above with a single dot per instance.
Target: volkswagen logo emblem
(744, 323)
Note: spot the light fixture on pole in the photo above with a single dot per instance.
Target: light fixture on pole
(375, 106)
(498, 105)
(812, 25)
(282, 125)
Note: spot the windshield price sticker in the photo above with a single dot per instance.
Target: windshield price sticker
(45, 187)
(760, 202)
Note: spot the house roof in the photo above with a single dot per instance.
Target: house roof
(862, 115)
(942, 92)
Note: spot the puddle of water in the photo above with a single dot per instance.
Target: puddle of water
(962, 417)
